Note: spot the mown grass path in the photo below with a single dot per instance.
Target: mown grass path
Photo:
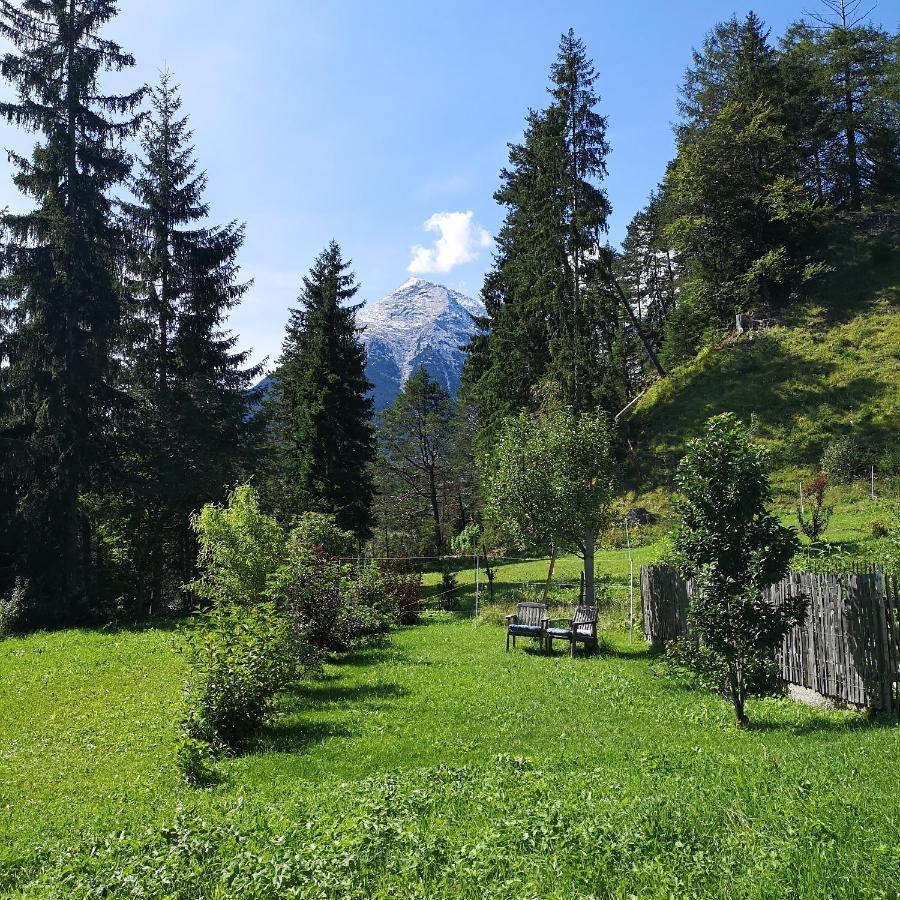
(437, 766)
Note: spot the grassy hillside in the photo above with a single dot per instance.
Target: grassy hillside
(831, 367)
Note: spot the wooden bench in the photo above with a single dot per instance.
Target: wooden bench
(580, 628)
(529, 620)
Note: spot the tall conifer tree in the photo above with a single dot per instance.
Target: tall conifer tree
(543, 319)
(320, 411)
(59, 294)
(188, 424)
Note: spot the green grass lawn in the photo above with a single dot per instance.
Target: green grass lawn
(436, 766)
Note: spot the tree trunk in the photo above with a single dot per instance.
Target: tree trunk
(589, 540)
(636, 325)
(850, 134)
(550, 573)
(738, 694)
(435, 509)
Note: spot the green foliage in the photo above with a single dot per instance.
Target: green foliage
(195, 761)
(336, 606)
(320, 531)
(734, 549)
(12, 608)
(240, 548)
(186, 382)
(319, 412)
(418, 442)
(547, 297)
(691, 659)
(449, 587)
(60, 293)
(813, 513)
(550, 480)
(466, 542)
(740, 218)
(844, 460)
(242, 658)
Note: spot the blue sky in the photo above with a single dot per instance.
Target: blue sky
(363, 120)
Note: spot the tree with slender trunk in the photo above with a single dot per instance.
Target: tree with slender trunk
(549, 481)
(418, 443)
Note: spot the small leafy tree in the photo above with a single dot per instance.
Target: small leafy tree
(733, 549)
(812, 512)
(240, 547)
(550, 481)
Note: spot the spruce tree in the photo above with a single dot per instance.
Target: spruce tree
(741, 216)
(187, 428)
(319, 413)
(543, 318)
(60, 294)
(862, 97)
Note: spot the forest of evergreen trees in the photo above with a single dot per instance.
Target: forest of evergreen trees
(125, 404)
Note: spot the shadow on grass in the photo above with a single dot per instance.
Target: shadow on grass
(824, 723)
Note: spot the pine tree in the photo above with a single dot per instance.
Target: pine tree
(320, 413)
(860, 67)
(741, 216)
(542, 316)
(60, 293)
(187, 426)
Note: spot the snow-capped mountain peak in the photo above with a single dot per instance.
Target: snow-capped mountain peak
(418, 324)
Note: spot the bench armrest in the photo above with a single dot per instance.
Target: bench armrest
(512, 619)
(563, 619)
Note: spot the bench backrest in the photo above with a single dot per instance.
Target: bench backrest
(585, 618)
(531, 613)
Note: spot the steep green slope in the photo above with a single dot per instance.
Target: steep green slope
(831, 368)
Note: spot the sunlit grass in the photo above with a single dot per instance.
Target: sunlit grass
(437, 766)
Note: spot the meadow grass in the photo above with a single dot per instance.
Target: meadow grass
(436, 765)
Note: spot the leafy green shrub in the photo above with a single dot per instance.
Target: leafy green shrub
(240, 662)
(733, 548)
(12, 608)
(332, 605)
(320, 531)
(194, 760)
(880, 529)
(843, 459)
(240, 548)
(376, 608)
(687, 657)
(889, 461)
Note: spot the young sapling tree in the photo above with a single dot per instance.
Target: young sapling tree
(734, 549)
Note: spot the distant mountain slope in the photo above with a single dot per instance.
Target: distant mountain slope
(419, 324)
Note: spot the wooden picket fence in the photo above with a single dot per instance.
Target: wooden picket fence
(848, 649)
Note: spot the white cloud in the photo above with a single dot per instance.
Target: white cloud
(461, 240)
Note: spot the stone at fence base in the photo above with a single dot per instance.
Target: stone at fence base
(809, 697)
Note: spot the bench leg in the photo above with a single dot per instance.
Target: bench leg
(572, 648)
